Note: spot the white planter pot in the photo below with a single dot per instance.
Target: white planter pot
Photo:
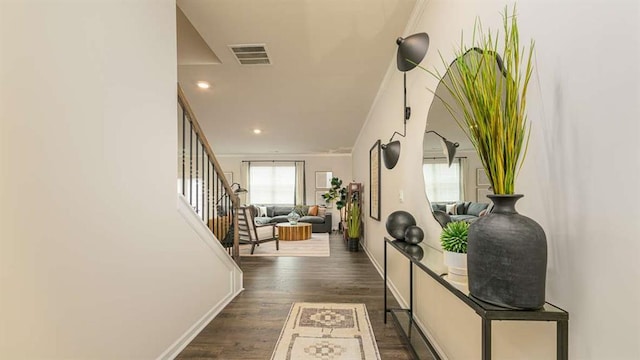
(457, 264)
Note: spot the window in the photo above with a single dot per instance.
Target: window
(443, 183)
(274, 182)
(271, 183)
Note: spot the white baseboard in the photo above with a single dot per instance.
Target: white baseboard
(401, 301)
(184, 340)
(235, 286)
(394, 290)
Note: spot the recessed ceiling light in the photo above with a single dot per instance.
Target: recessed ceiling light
(203, 85)
(257, 131)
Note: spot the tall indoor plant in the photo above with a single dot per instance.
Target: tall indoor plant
(507, 252)
(353, 226)
(337, 193)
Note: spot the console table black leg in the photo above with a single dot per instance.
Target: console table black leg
(562, 331)
(411, 289)
(385, 282)
(486, 339)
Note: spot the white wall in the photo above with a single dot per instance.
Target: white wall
(339, 164)
(95, 260)
(584, 112)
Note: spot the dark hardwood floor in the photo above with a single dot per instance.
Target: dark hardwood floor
(250, 325)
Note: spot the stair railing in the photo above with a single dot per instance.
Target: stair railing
(202, 182)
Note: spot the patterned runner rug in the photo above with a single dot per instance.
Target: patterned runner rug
(324, 331)
(318, 245)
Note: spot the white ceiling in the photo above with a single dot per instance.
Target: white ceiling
(328, 60)
(192, 49)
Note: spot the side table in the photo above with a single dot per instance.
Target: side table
(289, 232)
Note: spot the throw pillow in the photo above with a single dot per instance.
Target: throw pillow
(313, 210)
(451, 209)
(483, 212)
(302, 210)
(322, 211)
(262, 211)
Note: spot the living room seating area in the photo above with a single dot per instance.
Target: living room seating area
(318, 216)
(461, 211)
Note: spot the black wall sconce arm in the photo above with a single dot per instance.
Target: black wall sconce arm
(448, 147)
(411, 51)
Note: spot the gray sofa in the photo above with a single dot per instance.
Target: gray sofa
(465, 211)
(278, 214)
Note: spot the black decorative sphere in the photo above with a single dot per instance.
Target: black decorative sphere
(398, 222)
(413, 235)
(414, 251)
(401, 244)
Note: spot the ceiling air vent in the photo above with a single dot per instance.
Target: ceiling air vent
(251, 54)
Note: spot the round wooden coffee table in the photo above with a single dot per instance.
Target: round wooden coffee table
(299, 231)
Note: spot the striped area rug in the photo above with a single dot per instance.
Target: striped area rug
(324, 331)
(318, 245)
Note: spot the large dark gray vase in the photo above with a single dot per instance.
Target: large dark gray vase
(507, 257)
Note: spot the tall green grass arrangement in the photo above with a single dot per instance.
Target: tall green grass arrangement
(492, 96)
(353, 222)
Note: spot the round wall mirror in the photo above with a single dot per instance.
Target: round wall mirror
(457, 192)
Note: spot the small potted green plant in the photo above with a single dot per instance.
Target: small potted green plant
(454, 244)
(353, 227)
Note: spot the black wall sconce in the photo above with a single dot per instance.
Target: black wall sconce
(448, 147)
(411, 51)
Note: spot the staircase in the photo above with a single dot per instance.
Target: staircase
(202, 183)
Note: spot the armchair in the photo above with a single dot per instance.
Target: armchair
(250, 233)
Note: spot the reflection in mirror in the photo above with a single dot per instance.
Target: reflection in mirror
(457, 192)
